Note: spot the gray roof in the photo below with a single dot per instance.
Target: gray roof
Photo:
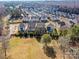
(40, 25)
(32, 26)
(61, 23)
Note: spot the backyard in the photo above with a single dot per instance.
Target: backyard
(29, 48)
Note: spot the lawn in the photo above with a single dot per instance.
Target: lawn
(25, 49)
(30, 48)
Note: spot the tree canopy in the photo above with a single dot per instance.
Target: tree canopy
(46, 38)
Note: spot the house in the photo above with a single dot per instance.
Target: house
(61, 23)
(24, 25)
(43, 19)
(49, 27)
(40, 28)
(73, 20)
(66, 21)
(13, 26)
(31, 26)
(21, 27)
(77, 18)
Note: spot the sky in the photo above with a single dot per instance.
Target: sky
(38, 0)
(30, 0)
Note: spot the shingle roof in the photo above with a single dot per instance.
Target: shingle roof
(40, 25)
(61, 23)
(31, 26)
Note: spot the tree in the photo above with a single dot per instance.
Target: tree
(54, 34)
(63, 32)
(46, 38)
(74, 34)
(49, 51)
(5, 36)
(5, 46)
(69, 38)
(32, 34)
(75, 30)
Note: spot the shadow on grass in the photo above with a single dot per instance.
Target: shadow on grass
(50, 52)
(38, 38)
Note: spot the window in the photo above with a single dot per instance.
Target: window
(49, 29)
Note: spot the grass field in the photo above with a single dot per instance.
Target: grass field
(29, 48)
(25, 49)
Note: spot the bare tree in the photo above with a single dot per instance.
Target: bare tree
(5, 38)
(64, 45)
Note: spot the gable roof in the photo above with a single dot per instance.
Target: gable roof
(40, 25)
(61, 23)
(31, 26)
